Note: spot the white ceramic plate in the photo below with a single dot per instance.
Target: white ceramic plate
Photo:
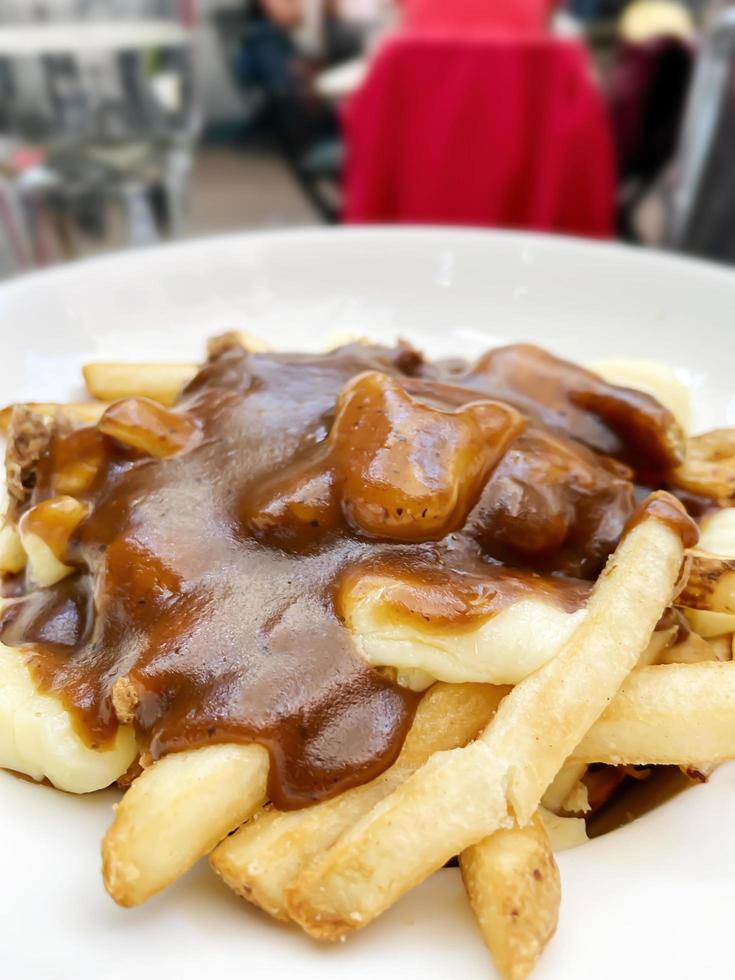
(654, 899)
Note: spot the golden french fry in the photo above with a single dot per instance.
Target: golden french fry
(711, 582)
(162, 382)
(660, 642)
(710, 624)
(513, 885)
(566, 783)
(114, 380)
(709, 464)
(239, 338)
(721, 647)
(670, 714)
(176, 812)
(694, 649)
(267, 854)
(564, 832)
(79, 413)
(459, 797)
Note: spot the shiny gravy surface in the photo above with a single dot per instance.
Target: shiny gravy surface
(211, 561)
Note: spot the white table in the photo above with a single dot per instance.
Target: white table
(36, 40)
(337, 83)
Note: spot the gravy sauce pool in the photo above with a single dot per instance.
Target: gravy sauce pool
(210, 578)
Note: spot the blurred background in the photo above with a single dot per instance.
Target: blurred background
(128, 122)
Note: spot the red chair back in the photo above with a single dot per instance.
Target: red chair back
(489, 131)
(476, 15)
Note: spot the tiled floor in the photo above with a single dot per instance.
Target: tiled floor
(236, 190)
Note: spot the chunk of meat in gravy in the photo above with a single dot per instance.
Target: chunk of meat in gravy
(619, 422)
(554, 505)
(30, 435)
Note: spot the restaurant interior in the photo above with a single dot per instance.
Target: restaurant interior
(125, 123)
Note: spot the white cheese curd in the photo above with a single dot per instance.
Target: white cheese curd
(37, 736)
(45, 568)
(717, 535)
(12, 553)
(501, 650)
(652, 378)
(564, 832)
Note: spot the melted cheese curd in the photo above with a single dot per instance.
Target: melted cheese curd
(38, 737)
(503, 650)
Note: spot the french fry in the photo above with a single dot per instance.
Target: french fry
(694, 649)
(79, 413)
(267, 854)
(564, 832)
(566, 782)
(240, 338)
(459, 797)
(709, 464)
(176, 812)
(114, 380)
(512, 882)
(657, 647)
(673, 714)
(162, 382)
(711, 582)
(722, 647)
(261, 859)
(710, 624)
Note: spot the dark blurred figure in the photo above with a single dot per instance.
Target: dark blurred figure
(590, 10)
(268, 58)
(647, 93)
(269, 55)
(702, 215)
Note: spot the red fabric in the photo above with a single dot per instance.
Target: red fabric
(483, 132)
(476, 15)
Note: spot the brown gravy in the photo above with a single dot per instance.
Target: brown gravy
(670, 512)
(210, 578)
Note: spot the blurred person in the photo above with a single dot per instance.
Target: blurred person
(592, 10)
(307, 31)
(644, 20)
(699, 195)
(648, 86)
(647, 90)
(284, 44)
